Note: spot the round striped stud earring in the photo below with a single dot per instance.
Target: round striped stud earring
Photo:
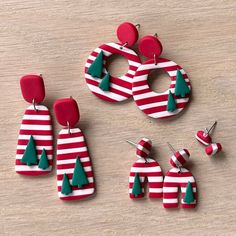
(75, 178)
(34, 154)
(213, 149)
(175, 98)
(145, 168)
(179, 177)
(99, 80)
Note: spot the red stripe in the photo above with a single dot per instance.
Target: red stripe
(72, 135)
(39, 112)
(18, 162)
(36, 132)
(69, 198)
(71, 145)
(87, 186)
(151, 174)
(143, 165)
(37, 142)
(36, 122)
(72, 165)
(72, 155)
(60, 176)
(33, 173)
(21, 151)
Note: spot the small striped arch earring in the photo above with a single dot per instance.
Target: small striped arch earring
(145, 168)
(101, 83)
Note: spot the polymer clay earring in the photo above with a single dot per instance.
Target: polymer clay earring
(203, 136)
(75, 178)
(174, 99)
(213, 149)
(144, 169)
(34, 154)
(99, 80)
(179, 177)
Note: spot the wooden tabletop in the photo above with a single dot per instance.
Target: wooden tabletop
(55, 38)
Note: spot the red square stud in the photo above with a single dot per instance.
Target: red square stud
(67, 111)
(32, 87)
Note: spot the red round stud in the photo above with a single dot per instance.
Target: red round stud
(150, 46)
(32, 88)
(127, 33)
(213, 148)
(67, 112)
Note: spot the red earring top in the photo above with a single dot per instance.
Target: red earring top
(32, 88)
(67, 112)
(149, 46)
(127, 34)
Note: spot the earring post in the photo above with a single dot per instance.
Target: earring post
(132, 143)
(171, 147)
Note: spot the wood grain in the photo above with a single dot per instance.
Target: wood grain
(54, 38)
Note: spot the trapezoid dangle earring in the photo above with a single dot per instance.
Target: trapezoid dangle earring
(179, 177)
(99, 80)
(75, 178)
(145, 168)
(175, 98)
(34, 154)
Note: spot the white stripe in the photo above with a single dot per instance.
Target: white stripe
(70, 140)
(155, 190)
(112, 85)
(30, 168)
(125, 49)
(36, 117)
(151, 179)
(39, 107)
(126, 79)
(142, 160)
(214, 149)
(134, 63)
(35, 137)
(170, 179)
(175, 160)
(19, 156)
(170, 200)
(71, 150)
(90, 180)
(71, 170)
(165, 113)
(175, 189)
(138, 88)
(184, 155)
(73, 131)
(156, 66)
(114, 96)
(79, 192)
(176, 170)
(142, 148)
(72, 161)
(145, 169)
(158, 104)
(23, 147)
(130, 190)
(35, 127)
(201, 141)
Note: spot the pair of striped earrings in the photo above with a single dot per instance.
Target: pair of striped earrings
(135, 82)
(146, 168)
(34, 154)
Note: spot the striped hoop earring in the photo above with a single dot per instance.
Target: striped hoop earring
(175, 98)
(99, 80)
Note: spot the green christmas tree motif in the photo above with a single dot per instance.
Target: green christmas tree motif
(105, 83)
(43, 162)
(171, 104)
(137, 188)
(181, 87)
(96, 67)
(30, 154)
(189, 197)
(66, 188)
(79, 177)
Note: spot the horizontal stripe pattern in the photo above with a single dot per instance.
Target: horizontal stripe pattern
(148, 169)
(155, 104)
(69, 148)
(37, 124)
(120, 87)
(175, 180)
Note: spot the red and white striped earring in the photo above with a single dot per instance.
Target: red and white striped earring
(99, 80)
(34, 154)
(179, 177)
(75, 178)
(145, 168)
(203, 136)
(173, 100)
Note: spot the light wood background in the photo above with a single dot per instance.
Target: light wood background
(55, 38)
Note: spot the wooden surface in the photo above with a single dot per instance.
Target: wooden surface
(55, 38)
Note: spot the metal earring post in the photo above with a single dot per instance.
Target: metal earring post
(34, 104)
(68, 125)
(122, 46)
(132, 143)
(171, 147)
(212, 127)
